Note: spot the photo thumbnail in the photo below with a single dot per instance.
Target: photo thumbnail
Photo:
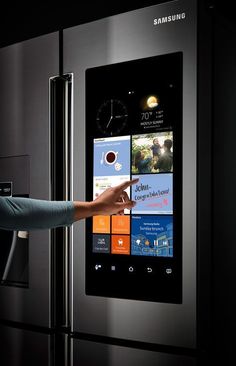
(152, 236)
(152, 153)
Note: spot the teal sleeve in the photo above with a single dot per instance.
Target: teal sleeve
(32, 214)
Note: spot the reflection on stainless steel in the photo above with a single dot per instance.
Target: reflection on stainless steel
(10, 257)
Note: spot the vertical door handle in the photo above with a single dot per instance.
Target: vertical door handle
(60, 91)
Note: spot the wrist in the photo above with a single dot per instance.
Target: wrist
(84, 210)
(94, 208)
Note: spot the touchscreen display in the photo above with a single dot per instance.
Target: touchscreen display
(148, 229)
(134, 130)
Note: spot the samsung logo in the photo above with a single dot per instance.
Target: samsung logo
(169, 18)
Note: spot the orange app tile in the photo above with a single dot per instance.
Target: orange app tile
(120, 224)
(120, 244)
(101, 224)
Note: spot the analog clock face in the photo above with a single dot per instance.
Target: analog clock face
(112, 117)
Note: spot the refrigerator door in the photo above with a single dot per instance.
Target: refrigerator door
(25, 69)
(14, 262)
(91, 353)
(153, 31)
(24, 347)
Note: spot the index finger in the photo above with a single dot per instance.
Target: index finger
(128, 183)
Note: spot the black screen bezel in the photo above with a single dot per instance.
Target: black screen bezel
(137, 285)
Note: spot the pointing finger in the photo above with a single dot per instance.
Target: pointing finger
(124, 185)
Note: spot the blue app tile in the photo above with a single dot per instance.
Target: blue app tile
(152, 236)
(112, 156)
(153, 194)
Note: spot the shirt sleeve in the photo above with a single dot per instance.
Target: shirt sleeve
(18, 213)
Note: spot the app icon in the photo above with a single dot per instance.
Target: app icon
(168, 271)
(101, 224)
(111, 157)
(120, 244)
(98, 267)
(101, 243)
(120, 224)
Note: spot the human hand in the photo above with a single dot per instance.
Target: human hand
(114, 200)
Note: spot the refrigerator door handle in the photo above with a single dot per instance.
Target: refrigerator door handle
(60, 109)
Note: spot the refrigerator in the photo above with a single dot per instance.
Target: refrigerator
(147, 94)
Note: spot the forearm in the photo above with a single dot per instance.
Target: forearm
(29, 214)
(84, 210)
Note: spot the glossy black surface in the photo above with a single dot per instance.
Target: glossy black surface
(26, 20)
(130, 84)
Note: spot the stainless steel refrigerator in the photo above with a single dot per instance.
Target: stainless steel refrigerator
(89, 107)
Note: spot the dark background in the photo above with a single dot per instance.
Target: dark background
(27, 20)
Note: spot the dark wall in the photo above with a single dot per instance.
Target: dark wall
(224, 238)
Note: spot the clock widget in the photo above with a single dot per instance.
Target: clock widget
(112, 117)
